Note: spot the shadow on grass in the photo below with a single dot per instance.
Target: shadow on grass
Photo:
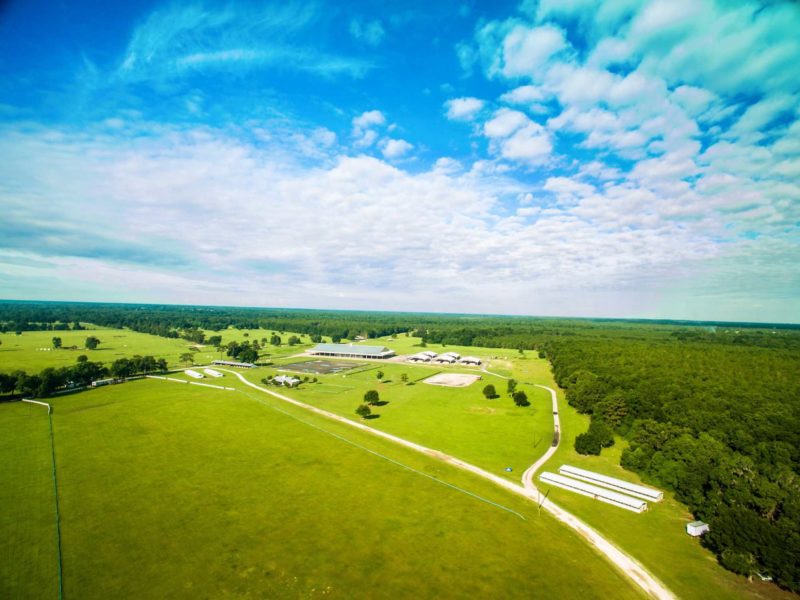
(381, 403)
(371, 417)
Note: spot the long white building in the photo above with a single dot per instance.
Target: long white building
(612, 483)
(351, 351)
(593, 491)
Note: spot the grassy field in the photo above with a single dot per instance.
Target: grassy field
(493, 434)
(33, 351)
(28, 541)
(180, 491)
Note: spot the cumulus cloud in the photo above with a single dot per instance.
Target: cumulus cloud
(393, 149)
(365, 126)
(463, 109)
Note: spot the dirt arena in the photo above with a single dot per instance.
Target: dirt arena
(452, 379)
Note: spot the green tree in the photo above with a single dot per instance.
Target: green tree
(294, 340)
(92, 342)
(372, 397)
(511, 385)
(379, 375)
(363, 411)
(83, 358)
(490, 392)
(56, 342)
(275, 340)
(404, 377)
(187, 358)
(587, 443)
(521, 398)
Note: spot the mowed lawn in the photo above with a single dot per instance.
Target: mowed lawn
(28, 540)
(171, 490)
(492, 434)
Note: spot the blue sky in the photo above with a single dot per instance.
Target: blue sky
(630, 158)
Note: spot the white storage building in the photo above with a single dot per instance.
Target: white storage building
(696, 528)
(212, 373)
(233, 363)
(194, 374)
(593, 491)
(612, 483)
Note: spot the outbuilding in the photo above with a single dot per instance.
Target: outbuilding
(696, 528)
(286, 380)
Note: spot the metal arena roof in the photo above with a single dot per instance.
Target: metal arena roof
(377, 351)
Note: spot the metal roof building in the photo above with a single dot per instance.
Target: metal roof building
(593, 491)
(618, 485)
(351, 351)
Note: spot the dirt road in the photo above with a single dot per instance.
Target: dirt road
(629, 566)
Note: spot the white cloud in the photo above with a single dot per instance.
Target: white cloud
(364, 128)
(527, 50)
(393, 149)
(525, 94)
(504, 122)
(463, 109)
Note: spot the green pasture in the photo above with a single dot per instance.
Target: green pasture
(171, 490)
(33, 351)
(28, 540)
(493, 434)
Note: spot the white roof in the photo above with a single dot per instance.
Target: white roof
(613, 483)
(194, 374)
(453, 354)
(593, 491)
(470, 359)
(428, 353)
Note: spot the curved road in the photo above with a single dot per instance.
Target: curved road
(629, 566)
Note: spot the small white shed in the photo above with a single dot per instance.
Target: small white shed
(696, 528)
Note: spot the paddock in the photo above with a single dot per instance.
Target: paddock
(321, 367)
(452, 379)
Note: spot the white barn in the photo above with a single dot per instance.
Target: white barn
(194, 374)
(470, 360)
(442, 359)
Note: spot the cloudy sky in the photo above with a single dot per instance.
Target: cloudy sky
(623, 158)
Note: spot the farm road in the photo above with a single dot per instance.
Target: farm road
(627, 564)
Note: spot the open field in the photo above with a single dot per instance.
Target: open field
(28, 541)
(495, 434)
(25, 351)
(174, 491)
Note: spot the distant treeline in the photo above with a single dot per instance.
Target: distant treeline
(708, 410)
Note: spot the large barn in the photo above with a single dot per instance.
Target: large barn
(351, 351)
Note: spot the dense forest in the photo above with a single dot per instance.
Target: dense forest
(708, 410)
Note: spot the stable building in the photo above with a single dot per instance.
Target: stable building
(351, 351)
(443, 358)
(417, 358)
(470, 360)
(233, 363)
